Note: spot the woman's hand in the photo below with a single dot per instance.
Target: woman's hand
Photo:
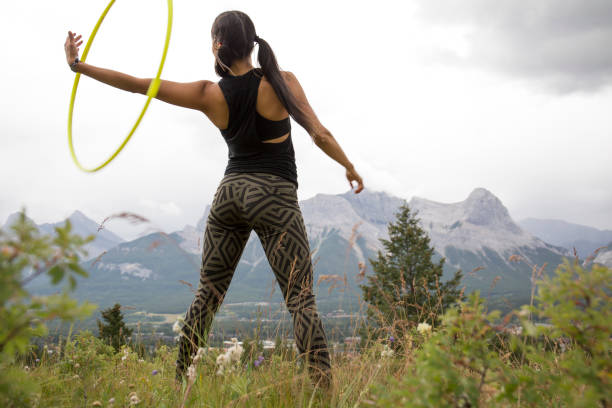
(352, 175)
(71, 46)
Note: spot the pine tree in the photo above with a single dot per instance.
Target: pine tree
(406, 287)
(114, 332)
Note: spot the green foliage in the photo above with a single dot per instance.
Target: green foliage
(476, 359)
(577, 354)
(406, 287)
(24, 255)
(114, 331)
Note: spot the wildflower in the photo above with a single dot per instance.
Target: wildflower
(387, 352)
(222, 359)
(76, 376)
(391, 339)
(38, 360)
(77, 365)
(154, 372)
(176, 327)
(111, 400)
(191, 372)
(424, 328)
(199, 355)
(96, 404)
(26, 368)
(134, 400)
(177, 338)
(140, 360)
(259, 361)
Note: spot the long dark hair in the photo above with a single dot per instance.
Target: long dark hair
(236, 33)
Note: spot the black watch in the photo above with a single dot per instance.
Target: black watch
(74, 64)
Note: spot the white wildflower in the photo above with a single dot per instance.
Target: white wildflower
(387, 352)
(230, 358)
(140, 360)
(191, 372)
(111, 400)
(222, 359)
(134, 400)
(199, 355)
(77, 365)
(234, 353)
(176, 327)
(424, 328)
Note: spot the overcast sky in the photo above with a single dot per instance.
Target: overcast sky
(427, 98)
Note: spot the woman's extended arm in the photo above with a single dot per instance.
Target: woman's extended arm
(321, 136)
(186, 94)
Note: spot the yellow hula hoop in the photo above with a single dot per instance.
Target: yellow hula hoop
(151, 92)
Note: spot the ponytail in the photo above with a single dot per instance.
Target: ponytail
(269, 66)
(236, 33)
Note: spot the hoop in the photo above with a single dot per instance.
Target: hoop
(151, 92)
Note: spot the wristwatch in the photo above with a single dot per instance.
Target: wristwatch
(74, 64)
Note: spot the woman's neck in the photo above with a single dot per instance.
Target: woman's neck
(241, 67)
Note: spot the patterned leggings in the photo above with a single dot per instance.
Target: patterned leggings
(268, 204)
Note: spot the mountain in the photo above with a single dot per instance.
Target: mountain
(476, 235)
(81, 225)
(557, 232)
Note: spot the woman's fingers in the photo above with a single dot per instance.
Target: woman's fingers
(353, 176)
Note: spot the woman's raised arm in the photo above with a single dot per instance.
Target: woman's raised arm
(319, 133)
(186, 94)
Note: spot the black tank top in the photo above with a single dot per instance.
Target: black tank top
(247, 129)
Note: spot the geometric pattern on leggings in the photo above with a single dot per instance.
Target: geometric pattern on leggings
(267, 204)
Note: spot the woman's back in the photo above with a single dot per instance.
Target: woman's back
(255, 142)
(268, 105)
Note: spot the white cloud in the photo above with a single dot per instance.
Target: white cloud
(410, 127)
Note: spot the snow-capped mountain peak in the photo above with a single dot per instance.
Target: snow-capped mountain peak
(480, 221)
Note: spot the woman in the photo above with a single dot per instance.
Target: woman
(251, 107)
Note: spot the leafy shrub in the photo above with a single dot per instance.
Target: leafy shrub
(25, 254)
(473, 359)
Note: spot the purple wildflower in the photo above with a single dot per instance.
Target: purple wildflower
(391, 339)
(257, 363)
(154, 372)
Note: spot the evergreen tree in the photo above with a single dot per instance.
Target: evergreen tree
(114, 332)
(406, 287)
